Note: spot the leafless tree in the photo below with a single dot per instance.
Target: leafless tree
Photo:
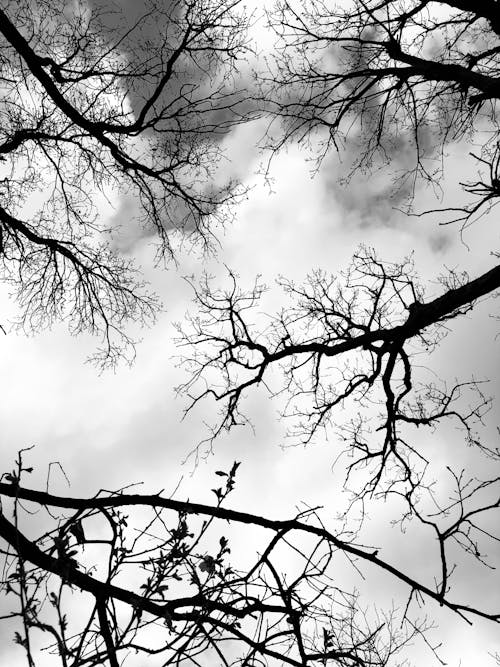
(354, 344)
(94, 103)
(162, 586)
(371, 75)
(391, 78)
(351, 360)
(168, 590)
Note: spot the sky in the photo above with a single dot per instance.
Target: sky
(118, 427)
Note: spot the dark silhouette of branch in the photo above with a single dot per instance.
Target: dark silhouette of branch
(376, 319)
(94, 104)
(259, 606)
(388, 80)
(357, 344)
(92, 110)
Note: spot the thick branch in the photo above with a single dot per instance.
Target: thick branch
(32, 553)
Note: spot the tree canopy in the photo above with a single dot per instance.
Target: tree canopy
(97, 101)
(97, 105)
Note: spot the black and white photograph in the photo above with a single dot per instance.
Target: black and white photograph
(249, 333)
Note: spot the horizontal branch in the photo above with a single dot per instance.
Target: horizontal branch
(29, 551)
(422, 315)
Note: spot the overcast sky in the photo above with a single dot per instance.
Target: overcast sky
(111, 429)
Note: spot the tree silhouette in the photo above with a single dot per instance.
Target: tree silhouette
(95, 104)
(190, 602)
(387, 78)
(351, 356)
(158, 580)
